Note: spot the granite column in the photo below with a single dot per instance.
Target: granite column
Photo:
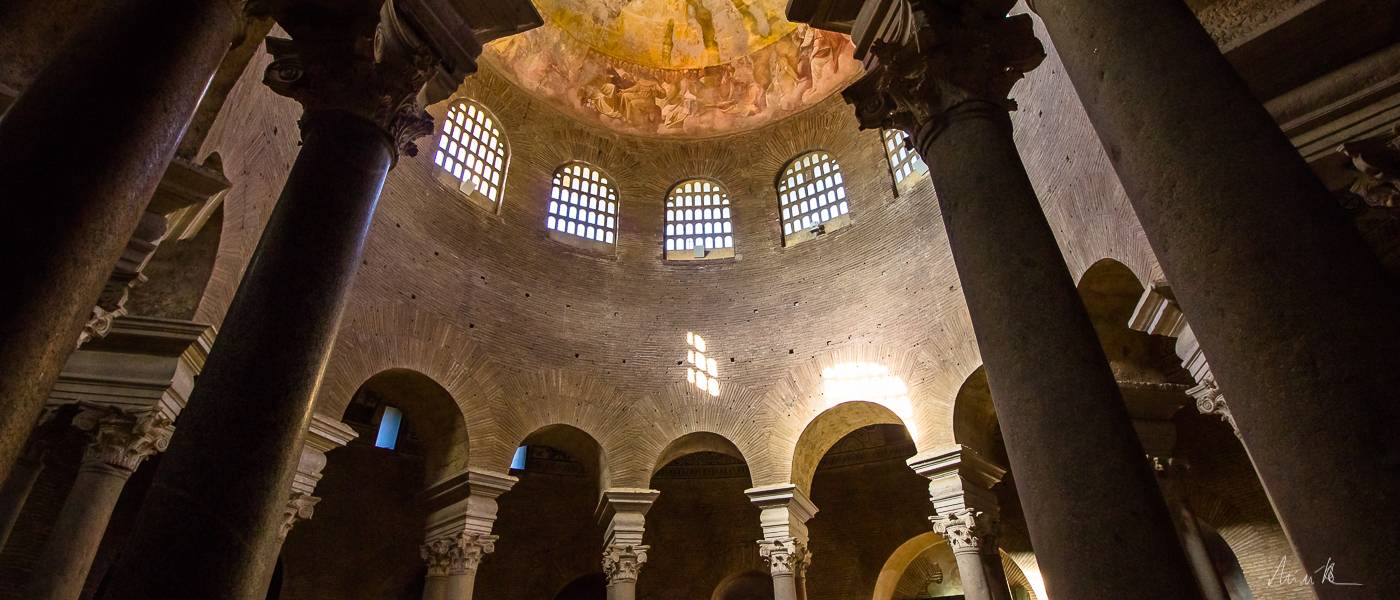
(230, 467)
(1295, 311)
(942, 72)
(81, 152)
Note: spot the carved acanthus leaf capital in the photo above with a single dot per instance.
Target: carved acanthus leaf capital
(937, 56)
(300, 507)
(341, 63)
(1375, 169)
(1211, 401)
(623, 562)
(457, 554)
(966, 530)
(122, 439)
(785, 556)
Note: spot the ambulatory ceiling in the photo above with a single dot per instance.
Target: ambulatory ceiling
(687, 68)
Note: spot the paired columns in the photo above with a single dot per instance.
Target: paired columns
(462, 513)
(284, 313)
(784, 512)
(122, 440)
(942, 72)
(624, 512)
(966, 514)
(81, 151)
(1296, 312)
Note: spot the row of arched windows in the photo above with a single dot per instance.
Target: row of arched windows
(583, 202)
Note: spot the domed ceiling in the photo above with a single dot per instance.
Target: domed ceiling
(684, 68)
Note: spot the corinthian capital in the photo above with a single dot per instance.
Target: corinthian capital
(966, 530)
(457, 554)
(622, 562)
(339, 60)
(785, 556)
(927, 59)
(121, 439)
(300, 507)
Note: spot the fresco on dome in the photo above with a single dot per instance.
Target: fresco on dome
(670, 34)
(771, 82)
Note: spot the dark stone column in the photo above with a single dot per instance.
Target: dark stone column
(1096, 519)
(81, 151)
(1296, 313)
(209, 526)
(15, 492)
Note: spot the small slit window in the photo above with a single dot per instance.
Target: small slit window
(812, 197)
(905, 164)
(473, 152)
(582, 205)
(698, 223)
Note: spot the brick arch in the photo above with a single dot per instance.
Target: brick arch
(737, 415)
(429, 410)
(828, 428)
(794, 402)
(557, 397)
(379, 338)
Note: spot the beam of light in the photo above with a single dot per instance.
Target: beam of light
(869, 382)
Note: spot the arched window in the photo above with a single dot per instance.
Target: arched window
(473, 152)
(697, 221)
(582, 204)
(812, 197)
(905, 164)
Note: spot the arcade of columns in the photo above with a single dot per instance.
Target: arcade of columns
(1275, 281)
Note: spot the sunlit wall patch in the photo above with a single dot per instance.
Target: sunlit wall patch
(701, 371)
(869, 382)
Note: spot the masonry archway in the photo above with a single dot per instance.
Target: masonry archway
(702, 526)
(547, 523)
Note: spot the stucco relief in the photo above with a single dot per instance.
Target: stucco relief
(778, 79)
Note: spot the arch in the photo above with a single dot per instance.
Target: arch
(697, 215)
(472, 149)
(575, 442)
(429, 412)
(811, 193)
(975, 422)
(583, 204)
(694, 443)
(828, 428)
(928, 547)
(592, 586)
(1110, 291)
(748, 585)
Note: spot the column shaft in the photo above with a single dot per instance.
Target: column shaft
(784, 587)
(229, 466)
(1069, 438)
(461, 585)
(435, 587)
(63, 565)
(622, 590)
(973, 574)
(16, 491)
(1295, 312)
(81, 152)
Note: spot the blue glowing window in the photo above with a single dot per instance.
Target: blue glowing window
(518, 462)
(389, 424)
